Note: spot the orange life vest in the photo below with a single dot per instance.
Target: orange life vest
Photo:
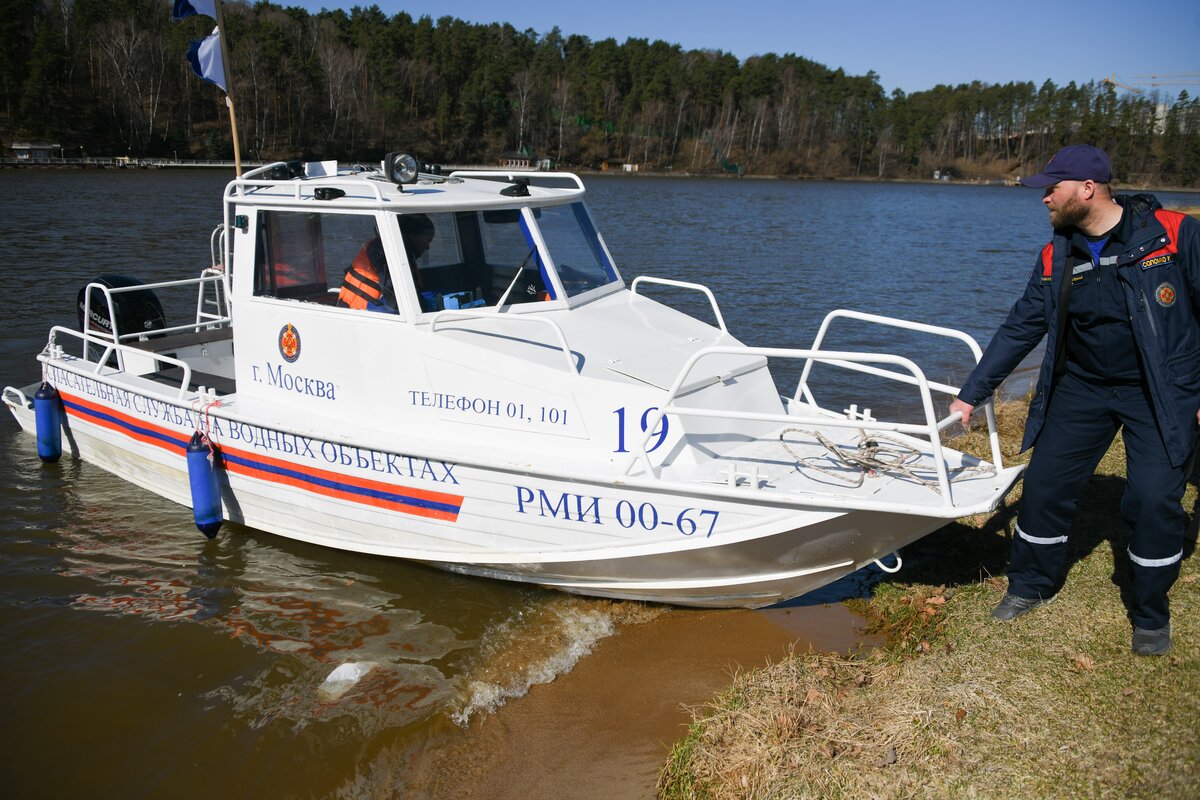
(361, 285)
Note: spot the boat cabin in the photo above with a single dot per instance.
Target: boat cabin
(486, 298)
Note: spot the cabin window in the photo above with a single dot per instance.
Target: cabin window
(475, 259)
(306, 257)
(578, 256)
(287, 264)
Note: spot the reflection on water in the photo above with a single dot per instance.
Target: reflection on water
(272, 620)
(314, 610)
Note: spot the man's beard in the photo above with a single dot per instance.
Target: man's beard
(1069, 214)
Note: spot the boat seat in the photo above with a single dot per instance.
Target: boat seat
(177, 341)
(171, 376)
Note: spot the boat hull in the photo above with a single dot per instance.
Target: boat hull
(586, 537)
(747, 574)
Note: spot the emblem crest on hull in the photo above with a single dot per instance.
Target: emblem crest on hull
(289, 343)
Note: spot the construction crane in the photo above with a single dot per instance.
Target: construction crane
(1139, 83)
(1111, 80)
(1170, 79)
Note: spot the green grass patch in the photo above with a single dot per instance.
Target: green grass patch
(1053, 704)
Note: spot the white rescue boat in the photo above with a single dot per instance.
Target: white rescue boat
(498, 402)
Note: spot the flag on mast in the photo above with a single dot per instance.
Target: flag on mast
(205, 58)
(208, 58)
(186, 8)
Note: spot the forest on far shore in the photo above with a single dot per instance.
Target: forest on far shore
(109, 77)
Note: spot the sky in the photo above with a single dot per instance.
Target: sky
(911, 45)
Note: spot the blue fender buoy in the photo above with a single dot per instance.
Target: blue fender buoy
(206, 494)
(47, 415)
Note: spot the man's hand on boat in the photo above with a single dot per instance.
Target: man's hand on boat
(963, 408)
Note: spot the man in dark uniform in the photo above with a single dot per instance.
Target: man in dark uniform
(1116, 294)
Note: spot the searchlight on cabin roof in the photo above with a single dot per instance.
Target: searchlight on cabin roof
(401, 168)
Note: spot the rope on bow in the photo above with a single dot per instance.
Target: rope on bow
(871, 454)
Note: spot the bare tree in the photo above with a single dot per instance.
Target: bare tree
(136, 54)
(685, 96)
(562, 95)
(523, 85)
(341, 68)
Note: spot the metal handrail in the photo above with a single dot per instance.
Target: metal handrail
(218, 241)
(54, 350)
(473, 314)
(895, 322)
(238, 186)
(15, 396)
(511, 174)
(699, 287)
(109, 291)
(930, 429)
(218, 301)
(216, 245)
(222, 264)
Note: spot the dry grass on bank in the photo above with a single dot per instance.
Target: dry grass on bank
(1053, 704)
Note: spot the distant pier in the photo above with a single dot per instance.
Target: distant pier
(123, 162)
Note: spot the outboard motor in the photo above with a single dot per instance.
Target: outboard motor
(136, 312)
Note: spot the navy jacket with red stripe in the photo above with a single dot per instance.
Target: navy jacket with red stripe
(1159, 269)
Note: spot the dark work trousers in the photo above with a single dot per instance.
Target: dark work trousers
(1080, 424)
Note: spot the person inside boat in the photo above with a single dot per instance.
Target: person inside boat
(367, 284)
(417, 230)
(1114, 295)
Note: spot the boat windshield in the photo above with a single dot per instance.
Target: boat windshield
(579, 258)
(474, 259)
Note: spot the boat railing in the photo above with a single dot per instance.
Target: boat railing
(699, 287)
(56, 352)
(929, 430)
(203, 321)
(512, 175)
(804, 394)
(15, 397)
(219, 300)
(216, 245)
(492, 315)
(303, 191)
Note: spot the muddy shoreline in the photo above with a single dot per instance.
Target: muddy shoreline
(604, 729)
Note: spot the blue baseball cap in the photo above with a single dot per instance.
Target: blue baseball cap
(1076, 162)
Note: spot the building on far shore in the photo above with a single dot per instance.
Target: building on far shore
(36, 151)
(615, 164)
(516, 159)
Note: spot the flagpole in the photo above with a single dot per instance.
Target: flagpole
(237, 150)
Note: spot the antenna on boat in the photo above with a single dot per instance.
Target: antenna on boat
(210, 59)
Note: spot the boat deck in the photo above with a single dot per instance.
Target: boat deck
(847, 467)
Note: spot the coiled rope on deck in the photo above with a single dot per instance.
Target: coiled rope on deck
(870, 454)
